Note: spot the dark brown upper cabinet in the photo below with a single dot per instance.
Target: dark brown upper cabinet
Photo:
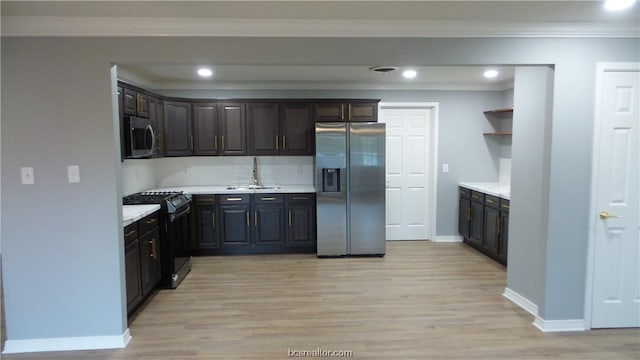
(136, 103)
(263, 134)
(358, 111)
(177, 126)
(296, 129)
(233, 125)
(156, 115)
(280, 129)
(206, 137)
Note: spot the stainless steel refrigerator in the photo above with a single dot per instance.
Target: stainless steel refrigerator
(350, 187)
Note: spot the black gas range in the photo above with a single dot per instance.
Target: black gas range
(175, 232)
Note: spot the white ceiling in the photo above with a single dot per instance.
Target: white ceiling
(316, 77)
(322, 18)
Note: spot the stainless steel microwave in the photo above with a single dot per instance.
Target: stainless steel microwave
(139, 137)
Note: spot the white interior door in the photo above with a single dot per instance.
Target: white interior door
(410, 147)
(616, 247)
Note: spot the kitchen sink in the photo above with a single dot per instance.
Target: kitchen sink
(253, 187)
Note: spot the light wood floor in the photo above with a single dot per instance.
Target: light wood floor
(422, 301)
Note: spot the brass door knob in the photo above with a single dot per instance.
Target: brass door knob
(604, 215)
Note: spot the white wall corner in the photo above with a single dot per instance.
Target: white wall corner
(559, 325)
(448, 238)
(521, 301)
(67, 344)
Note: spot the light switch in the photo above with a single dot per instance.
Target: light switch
(445, 168)
(26, 174)
(73, 173)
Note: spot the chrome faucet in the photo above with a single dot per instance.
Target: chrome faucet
(255, 171)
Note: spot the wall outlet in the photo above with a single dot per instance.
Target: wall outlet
(26, 175)
(73, 173)
(445, 168)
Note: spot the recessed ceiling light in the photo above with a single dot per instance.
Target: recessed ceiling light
(615, 5)
(205, 72)
(409, 74)
(490, 74)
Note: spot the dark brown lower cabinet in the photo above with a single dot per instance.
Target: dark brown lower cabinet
(132, 266)
(254, 224)
(301, 220)
(483, 223)
(142, 260)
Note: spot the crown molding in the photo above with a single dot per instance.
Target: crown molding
(158, 26)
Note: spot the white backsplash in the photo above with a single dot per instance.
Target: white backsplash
(504, 171)
(140, 175)
(137, 175)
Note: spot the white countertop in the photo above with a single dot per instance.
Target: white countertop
(496, 189)
(201, 190)
(133, 213)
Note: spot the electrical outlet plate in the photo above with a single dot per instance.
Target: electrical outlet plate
(27, 176)
(73, 173)
(445, 168)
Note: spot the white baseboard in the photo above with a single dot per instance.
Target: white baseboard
(521, 301)
(559, 325)
(67, 344)
(448, 238)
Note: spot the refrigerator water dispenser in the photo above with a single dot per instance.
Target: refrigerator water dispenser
(330, 180)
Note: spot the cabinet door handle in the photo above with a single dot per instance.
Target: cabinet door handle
(154, 253)
(215, 143)
(213, 219)
(130, 233)
(290, 218)
(349, 111)
(191, 141)
(276, 142)
(469, 213)
(255, 218)
(284, 142)
(248, 223)
(499, 225)
(222, 136)
(341, 111)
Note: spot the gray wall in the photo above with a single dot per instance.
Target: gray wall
(530, 182)
(65, 240)
(471, 156)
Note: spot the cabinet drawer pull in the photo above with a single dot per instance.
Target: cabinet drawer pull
(490, 201)
(267, 198)
(205, 201)
(150, 221)
(234, 199)
(300, 198)
(505, 206)
(130, 233)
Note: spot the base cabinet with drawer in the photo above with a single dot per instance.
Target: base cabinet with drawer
(254, 224)
(483, 223)
(142, 260)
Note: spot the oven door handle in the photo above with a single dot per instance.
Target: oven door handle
(176, 215)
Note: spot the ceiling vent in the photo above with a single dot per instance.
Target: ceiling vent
(383, 69)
